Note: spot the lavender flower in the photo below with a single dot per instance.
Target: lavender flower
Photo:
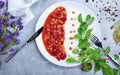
(1, 15)
(1, 31)
(20, 27)
(7, 21)
(4, 21)
(6, 13)
(12, 50)
(12, 17)
(7, 38)
(1, 45)
(1, 4)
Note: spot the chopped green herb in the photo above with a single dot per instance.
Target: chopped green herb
(116, 56)
(107, 50)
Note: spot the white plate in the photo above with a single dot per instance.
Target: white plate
(69, 6)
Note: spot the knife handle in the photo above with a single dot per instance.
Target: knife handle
(35, 35)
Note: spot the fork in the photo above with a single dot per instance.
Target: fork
(98, 43)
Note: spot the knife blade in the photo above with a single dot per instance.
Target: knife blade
(34, 36)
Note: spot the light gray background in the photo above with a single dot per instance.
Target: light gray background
(29, 61)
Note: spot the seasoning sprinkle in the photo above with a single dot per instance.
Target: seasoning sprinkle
(110, 11)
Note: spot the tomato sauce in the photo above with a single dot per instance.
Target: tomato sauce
(53, 34)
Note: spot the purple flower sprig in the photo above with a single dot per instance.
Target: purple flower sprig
(7, 21)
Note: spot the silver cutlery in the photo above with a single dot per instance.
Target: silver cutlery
(35, 35)
(96, 41)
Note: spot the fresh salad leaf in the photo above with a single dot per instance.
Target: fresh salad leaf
(88, 33)
(78, 36)
(80, 18)
(86, 66)
(88, 17)
(71, 60)
(96, 68)
(115, 71)
(83, 44)
(75, 51)
(107, 51)
(116, 56)
(90, 21)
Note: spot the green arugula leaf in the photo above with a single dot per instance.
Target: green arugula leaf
(75, 51)
(80, 30)
(71, 60)
(115, 71)
(107, 50)
(96, 68)
(90, 21)
(80, 18)
(116, 56)
(104, 65)
(85, 27)
(78, 36)
(83, 44)
(88, 17)
(86, 66)
(88, 33)
(105, 72)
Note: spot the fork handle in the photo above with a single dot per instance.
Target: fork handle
(115, 62)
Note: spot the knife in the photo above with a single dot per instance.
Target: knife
(35, 35)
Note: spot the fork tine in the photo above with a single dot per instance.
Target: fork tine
(92, 39)
(95, 38)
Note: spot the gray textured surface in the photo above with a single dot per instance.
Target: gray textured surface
(29, 61)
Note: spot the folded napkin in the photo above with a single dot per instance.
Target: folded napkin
(21, 8)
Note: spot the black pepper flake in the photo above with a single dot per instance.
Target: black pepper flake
(119, 53)
(114, 7)
(104, 38)
(116, 10)
(98, 21)
(113, 13)
(116, 3)
(96, 1)
(86, 0)
(109, 11)
(113, 19)
(111, 27)
(107, 62)
(116, 15)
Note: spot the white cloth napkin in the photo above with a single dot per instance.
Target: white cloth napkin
(21, 8)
